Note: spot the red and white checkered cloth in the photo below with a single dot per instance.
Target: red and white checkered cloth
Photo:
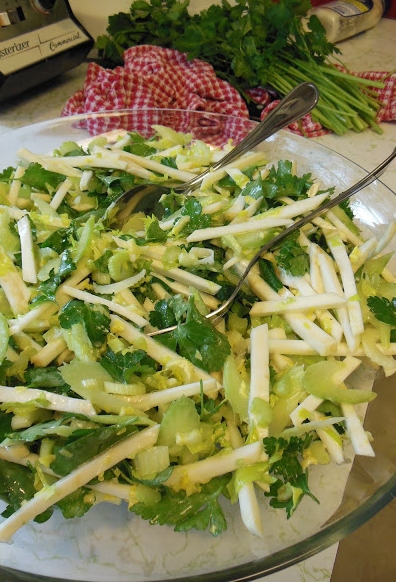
(155, 77)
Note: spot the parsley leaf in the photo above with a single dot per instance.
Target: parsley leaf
(95, 319)
(40, 179)
(249, 43)
(82, 445)
(47, 289)
(199, 511)
(383, 309)
(193, 209)
(154, 232)
(49, 378)
(290, 479)
(195, 337)
(292, 257)
(58, 240)
(123, 365)
(17, 486)
(267, 272)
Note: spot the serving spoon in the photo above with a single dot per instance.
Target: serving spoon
(215, 315)
(300, 101)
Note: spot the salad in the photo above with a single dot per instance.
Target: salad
(96, 407)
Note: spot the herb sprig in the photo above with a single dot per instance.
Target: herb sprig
(252, 43)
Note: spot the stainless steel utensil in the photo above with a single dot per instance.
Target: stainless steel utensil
(366, 181)
(300, 101)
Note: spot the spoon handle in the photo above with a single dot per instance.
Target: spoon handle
(300, 101)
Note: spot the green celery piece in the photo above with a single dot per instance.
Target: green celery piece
(9, 238)
(318, 381)
(180, 418)
(235, 389)
(4, 337)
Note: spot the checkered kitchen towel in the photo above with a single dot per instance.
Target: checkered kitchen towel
(156, 77)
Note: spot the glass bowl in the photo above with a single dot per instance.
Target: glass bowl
(108, 543)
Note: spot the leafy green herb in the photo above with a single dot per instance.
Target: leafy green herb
(101, 264)
(195, 338)
(292, 257)
(75, 504)
(16, 486)
(251, 43)
(35, 432)
(281, 181)
(86, 444)
(291, 480)
(267, 272)
(199, 511)
(123, 365)
(95, 319)
(38, 178)
(154, 232)
(193, 209)
(48, 378)
(383, 309)
(58, 240)
(6, 174)
(47, 289)
(5, 424)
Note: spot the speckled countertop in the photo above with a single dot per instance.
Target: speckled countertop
(372, 50)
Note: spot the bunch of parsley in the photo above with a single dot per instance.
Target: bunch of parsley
(251, 43)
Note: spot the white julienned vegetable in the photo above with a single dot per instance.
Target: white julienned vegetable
(81, 476)
(127, 277)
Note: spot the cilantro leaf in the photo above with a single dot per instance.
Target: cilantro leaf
(95, 319)
(199, 511)
(383, 309)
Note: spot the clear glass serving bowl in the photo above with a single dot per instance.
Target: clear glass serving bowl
(109, 543)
